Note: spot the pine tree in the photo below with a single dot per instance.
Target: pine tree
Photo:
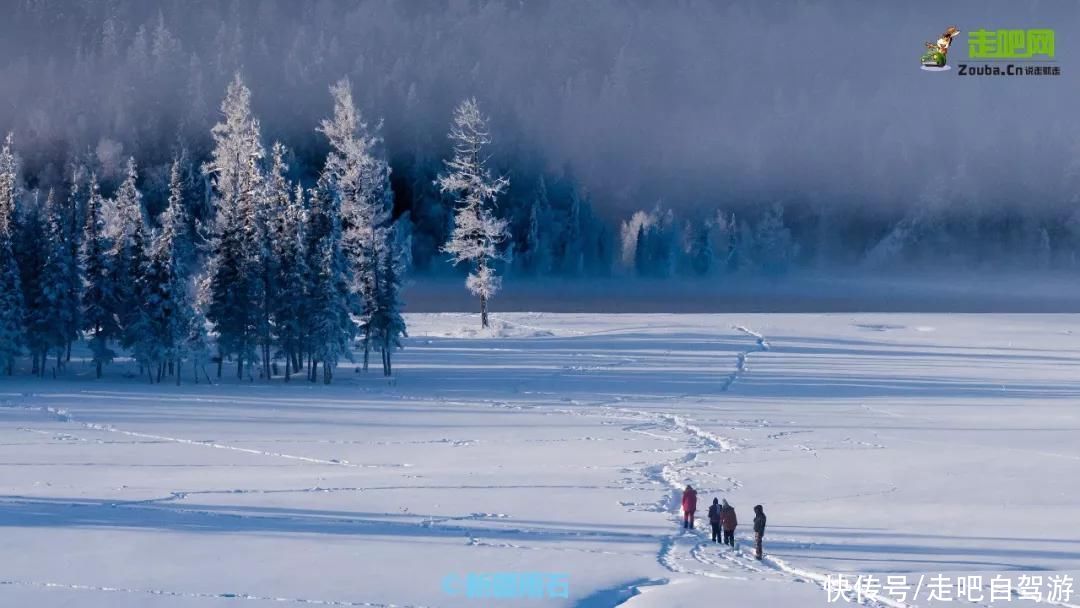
(642, 262)
(127, 262)
(60, 304)
(32, 252)
(340, 219)
(273, 205)
(775, 247)
(332, 325)
(700, 250)
(99, 291)
(197, 343)
(477, 233)
(536, 250)
(233, 281)
(289, 313)
(168, 302)
(11, 294)
(386, 323)
(573, 261)
(236, 140)
(361, 183)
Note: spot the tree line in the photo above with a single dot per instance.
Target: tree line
(275, 278)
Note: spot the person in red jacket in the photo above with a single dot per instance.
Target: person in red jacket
(728, 521)
(689, 505)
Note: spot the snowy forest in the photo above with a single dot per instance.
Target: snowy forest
(178, 184)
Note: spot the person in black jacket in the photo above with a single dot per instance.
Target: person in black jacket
(714, 519)
(759, 529)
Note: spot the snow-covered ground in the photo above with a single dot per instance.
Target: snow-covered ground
(881, 444)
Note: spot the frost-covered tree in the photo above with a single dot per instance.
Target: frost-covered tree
(272, 204)
(32, 251)
(234, 295)
(127, 260)
(573, 253)
(386, 325)
(360, 183)
(289, 311)
(99, 297)
(236, 140)
(168, 302)
(59, 303)
(198, 339)
(11, 294)
(375, 239)
(774, 246)
(649, 242)
(477, 233)
(331, 324)
(535, 253)
(699, 250)
(642, 263)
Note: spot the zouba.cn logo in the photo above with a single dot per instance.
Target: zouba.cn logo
(936, 57)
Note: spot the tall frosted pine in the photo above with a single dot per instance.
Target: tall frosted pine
(169, 301)
(99, 289)
(289, 311)
(342, 217)
(11, 298)
(477, 233)
(233, 287)
(127, 261)
(360, 180)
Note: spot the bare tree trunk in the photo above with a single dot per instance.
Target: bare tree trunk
(327, 373)
(288, 366)
(177, 372)
(483, 311)
(220, 362)
(97, 366)
(240, 367)
(68, 357)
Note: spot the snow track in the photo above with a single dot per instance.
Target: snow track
(200, 596)
(63, 415)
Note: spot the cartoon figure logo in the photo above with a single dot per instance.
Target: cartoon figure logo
(937, 53)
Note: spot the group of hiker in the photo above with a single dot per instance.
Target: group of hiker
(723, 520)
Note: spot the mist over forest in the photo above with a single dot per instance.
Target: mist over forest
(666, 138)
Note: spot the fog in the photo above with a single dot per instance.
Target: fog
(692, 102)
